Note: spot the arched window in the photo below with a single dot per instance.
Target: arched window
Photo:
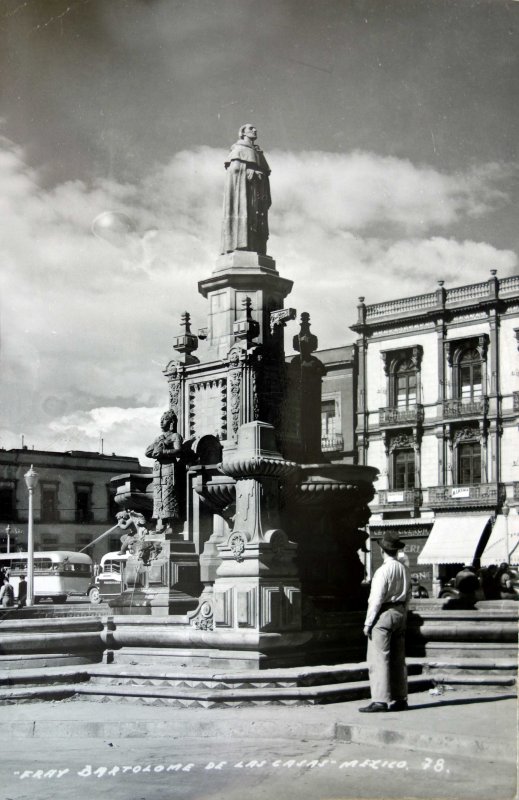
(404, 384)
(469, 375)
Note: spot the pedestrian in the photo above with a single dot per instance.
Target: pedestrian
(385, 628)
(6, 594)
(22, 592)
(417, 590)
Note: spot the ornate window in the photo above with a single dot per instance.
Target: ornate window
(404, 384)
(331, 426)
(403, 476)
(330, 418)
(469, 375)
(402, 368)
(469, 463)
(467, 359)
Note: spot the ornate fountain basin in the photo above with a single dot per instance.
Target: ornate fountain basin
(218, 492)
(338, 484)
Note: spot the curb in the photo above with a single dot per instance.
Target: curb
(441, 743)
(434, 744)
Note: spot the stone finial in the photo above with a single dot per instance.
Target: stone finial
(305, 342)
(187, 342)
(185, 321)
(246, 328)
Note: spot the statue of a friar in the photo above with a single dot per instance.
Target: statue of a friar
(247, 196)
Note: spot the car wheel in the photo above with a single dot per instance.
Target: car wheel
(94, 596)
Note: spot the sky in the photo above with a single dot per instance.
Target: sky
(390, 127)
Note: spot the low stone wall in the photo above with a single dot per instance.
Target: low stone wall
(80, 636)
(486, 631)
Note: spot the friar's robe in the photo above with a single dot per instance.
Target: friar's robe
(246, 202)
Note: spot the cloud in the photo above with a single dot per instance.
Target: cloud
(86, 327)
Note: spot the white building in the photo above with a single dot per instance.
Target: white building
(438, 414)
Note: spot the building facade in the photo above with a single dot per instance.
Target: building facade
(438, 414)
(73, 501)
(338, 403)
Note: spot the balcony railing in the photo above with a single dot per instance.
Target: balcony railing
(400, 497)
(465, 408)
(400, 416)
(332, 443)
(480, 494)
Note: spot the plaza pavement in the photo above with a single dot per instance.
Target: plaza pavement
(457, 744)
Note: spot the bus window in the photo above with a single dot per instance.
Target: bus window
(112, 566)
(43, 564)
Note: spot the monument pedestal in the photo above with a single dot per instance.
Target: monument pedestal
(256, 590)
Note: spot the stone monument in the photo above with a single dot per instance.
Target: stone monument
(261, 533)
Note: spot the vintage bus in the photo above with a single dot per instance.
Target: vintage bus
(57, 573)
(109, 580)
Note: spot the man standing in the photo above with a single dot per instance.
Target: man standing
(247, 196)
(385, 628)
(6, 594)
(22, 592)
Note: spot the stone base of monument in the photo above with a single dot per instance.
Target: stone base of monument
(155, 602)
(185, 642)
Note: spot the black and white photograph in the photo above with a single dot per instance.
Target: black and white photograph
(259, 399)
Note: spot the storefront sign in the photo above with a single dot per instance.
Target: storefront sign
(461, 492)
(395, 497)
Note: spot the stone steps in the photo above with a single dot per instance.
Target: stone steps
(187, 687)
(29, 661)
(41, 678)
(185, 697)
(467, 665)
(470, 672)
(270, 678)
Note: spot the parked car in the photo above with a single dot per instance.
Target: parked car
(109, 580)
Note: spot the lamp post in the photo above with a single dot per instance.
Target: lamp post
(8, 538)
(31, 480)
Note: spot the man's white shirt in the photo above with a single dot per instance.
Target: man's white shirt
(391, 583)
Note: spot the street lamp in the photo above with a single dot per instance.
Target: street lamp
(31, 480)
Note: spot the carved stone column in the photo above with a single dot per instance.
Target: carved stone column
(256, 587)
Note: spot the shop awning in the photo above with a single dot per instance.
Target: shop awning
(454, 540)
(502, 545)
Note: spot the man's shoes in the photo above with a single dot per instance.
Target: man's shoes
(373, 708)
(399, 705)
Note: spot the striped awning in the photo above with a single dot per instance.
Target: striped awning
(503, 542)
(454, 540)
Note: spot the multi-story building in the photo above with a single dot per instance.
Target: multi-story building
(438, 414)
(73, 502)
